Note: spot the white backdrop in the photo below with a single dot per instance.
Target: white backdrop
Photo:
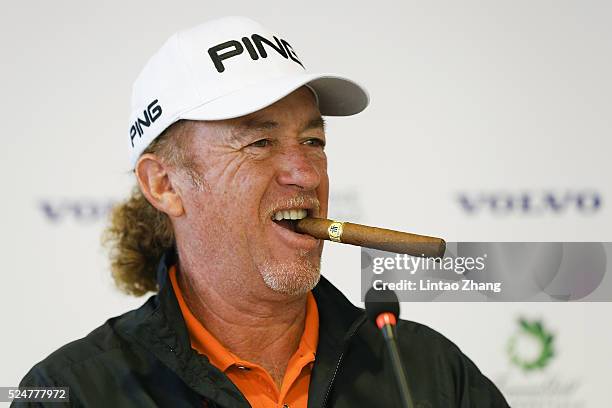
(488, 101)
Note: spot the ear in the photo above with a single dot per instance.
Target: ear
(155, 184)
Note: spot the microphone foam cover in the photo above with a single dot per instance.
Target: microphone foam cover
(381, 301)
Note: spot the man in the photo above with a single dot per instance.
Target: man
(227, 143)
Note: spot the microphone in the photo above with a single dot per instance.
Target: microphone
(382, 309)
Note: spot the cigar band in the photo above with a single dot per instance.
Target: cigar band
(335, 231)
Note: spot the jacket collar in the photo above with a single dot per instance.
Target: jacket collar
(162, 331)
(339, 320)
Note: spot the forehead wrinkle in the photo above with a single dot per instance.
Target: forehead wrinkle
(258, 123)
(251, 124)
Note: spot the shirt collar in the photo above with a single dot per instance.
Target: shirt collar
(205, 343)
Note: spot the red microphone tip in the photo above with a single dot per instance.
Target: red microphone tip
(385, 318)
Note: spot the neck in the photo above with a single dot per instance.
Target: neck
(262, 328)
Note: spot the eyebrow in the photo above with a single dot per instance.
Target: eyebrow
(255, 124)
(316, 123)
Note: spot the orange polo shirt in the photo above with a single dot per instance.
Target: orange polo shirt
(251, 379)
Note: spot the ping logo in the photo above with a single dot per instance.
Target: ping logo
(254, 46)
(151, 114)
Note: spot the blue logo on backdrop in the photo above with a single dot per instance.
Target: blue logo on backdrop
(86, 210)
(535, 202)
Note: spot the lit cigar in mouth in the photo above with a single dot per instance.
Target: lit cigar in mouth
(372, 237)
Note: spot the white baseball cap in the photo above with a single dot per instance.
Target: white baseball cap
(224, 69)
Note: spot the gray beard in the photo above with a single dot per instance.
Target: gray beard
(292, 278)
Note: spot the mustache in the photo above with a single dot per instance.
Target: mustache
(297, 201)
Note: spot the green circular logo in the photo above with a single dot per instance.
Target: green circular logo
(535, 336)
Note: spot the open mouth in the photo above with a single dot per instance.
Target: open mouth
(288, 224)
(288, 219)
(285, 229)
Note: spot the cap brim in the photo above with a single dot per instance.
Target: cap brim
(337, 96)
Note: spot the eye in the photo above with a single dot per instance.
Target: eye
(261, 143)
(315, 142)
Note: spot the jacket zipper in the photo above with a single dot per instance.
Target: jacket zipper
(350, 335)
(331, 383)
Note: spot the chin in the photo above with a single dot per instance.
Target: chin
(291, 278)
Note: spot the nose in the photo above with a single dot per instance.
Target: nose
(296, 168)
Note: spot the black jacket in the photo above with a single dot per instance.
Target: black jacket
(143, 358)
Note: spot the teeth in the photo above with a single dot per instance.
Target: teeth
(290, 215)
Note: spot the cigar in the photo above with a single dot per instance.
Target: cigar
(372, 237)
